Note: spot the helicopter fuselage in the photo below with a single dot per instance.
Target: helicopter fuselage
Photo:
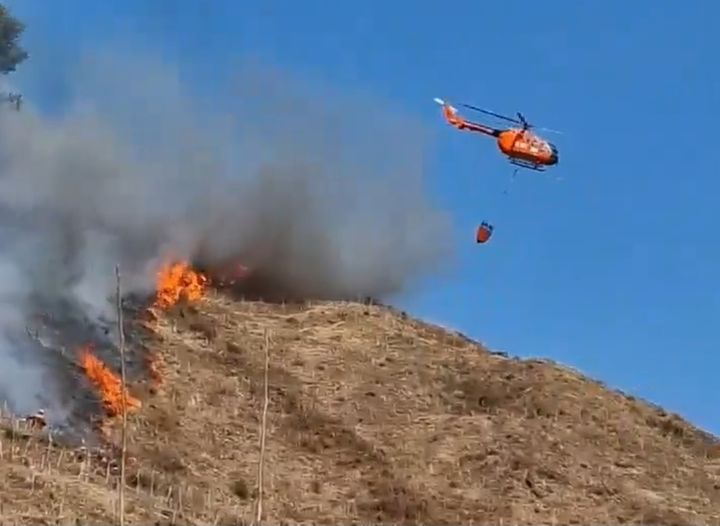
(524, 145)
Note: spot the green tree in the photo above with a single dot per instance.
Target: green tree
(11, 53)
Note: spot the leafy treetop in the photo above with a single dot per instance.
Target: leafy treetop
(11, 53)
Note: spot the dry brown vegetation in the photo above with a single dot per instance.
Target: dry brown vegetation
(373, 417)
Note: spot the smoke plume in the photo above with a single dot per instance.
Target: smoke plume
(322, 196)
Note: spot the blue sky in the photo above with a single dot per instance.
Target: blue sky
(612, 270)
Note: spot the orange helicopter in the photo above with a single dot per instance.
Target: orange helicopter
(522, 147)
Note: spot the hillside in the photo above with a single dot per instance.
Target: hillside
(372, 416)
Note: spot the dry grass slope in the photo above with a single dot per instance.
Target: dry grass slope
(373, 417)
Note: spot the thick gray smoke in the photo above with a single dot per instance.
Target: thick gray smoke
(322, 196)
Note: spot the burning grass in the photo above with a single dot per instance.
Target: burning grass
(107, 384)
(179, 281)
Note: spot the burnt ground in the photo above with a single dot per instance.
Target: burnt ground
(373, 417)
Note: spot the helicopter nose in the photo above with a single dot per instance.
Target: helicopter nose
(554, 157)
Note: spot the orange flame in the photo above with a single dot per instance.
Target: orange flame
(177, 281)
(107, 383)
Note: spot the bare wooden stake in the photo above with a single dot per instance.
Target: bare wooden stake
(263, 430)
(121, 336)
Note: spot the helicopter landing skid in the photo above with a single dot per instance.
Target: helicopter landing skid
(527, 164)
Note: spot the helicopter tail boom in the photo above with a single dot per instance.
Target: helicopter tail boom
(455, 119)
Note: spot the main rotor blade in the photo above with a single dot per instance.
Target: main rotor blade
(504, 117)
